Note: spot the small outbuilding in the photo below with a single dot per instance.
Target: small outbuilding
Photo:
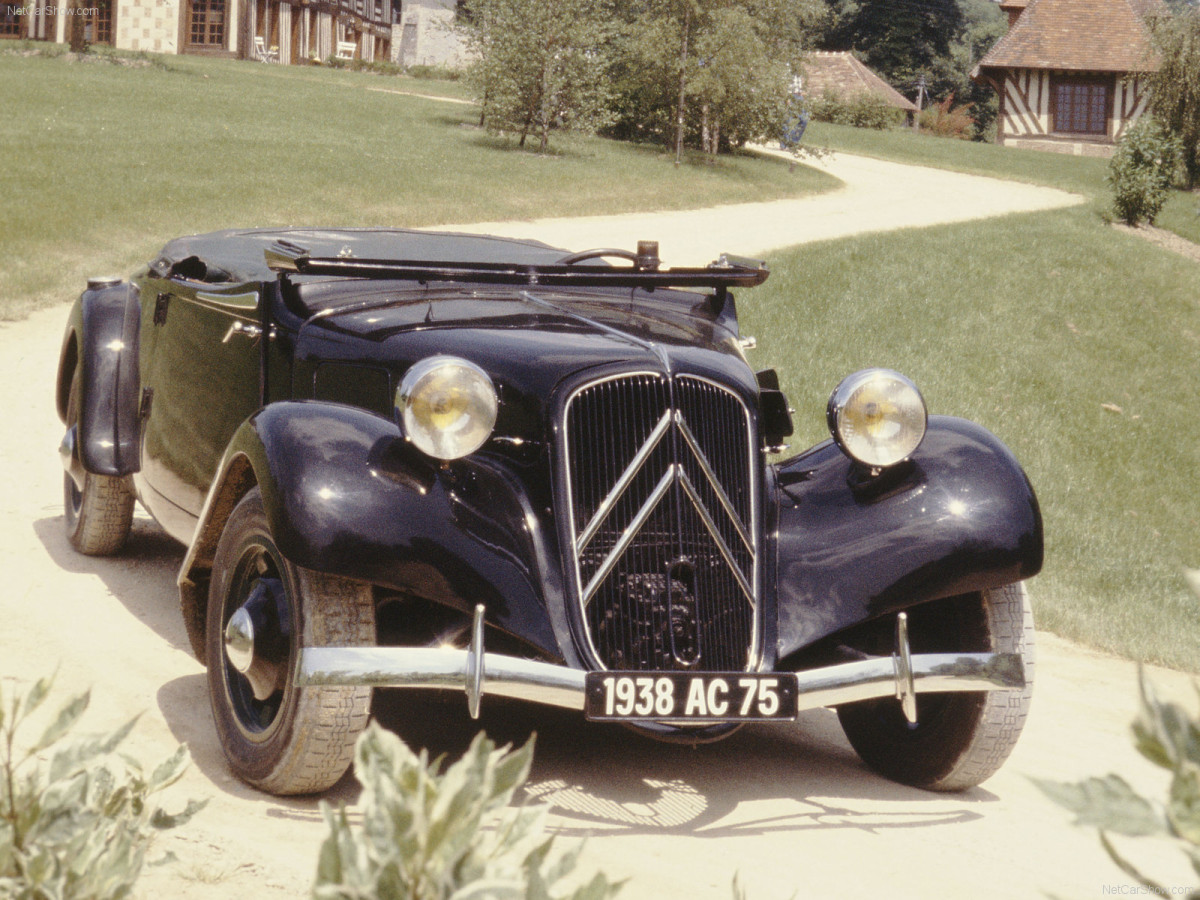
(1070, 74)
(842, 75)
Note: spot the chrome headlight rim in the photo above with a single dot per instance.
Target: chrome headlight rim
(905, 413)
(473, 387)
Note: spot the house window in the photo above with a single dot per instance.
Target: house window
(206, 24)
(12, 20)
(1081, 107)
(97, 25)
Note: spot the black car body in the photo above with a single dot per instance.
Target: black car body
(606, 523)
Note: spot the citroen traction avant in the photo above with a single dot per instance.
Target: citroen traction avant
(402, 459)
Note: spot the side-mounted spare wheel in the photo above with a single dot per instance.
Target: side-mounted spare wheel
(960, 739)
(261, 611)
(98, 512)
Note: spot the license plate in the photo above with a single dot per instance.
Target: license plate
(687, 697)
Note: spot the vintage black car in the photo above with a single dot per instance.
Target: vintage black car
(407, 459)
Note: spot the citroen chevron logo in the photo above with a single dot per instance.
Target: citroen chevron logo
(674, 473)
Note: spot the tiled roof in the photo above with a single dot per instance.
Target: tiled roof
(839, 73)
(1078, 35)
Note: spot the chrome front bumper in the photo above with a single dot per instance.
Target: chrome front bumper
(475, 672)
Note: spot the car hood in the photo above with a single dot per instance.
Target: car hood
(530, 343)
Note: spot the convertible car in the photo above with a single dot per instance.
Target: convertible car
(406, 459)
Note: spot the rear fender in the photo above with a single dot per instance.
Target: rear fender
(102, 344)
(960, 516)
(346, 495)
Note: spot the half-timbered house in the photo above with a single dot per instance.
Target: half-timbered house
(1070, 74)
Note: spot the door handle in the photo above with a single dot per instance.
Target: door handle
(248, 329)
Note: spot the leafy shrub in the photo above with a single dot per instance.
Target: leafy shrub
(1165, 735)
(861, 109)
(941, 120)
(79, 823)
(375, 67)
(431, 835)
(433, 73)
(1141, 170)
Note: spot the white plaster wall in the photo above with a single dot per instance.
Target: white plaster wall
(149, 25)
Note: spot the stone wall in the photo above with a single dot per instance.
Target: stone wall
(426, 36)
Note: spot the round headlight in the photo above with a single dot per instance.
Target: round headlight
(877, 417)
(448, 406)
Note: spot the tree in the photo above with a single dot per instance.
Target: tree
(539, 66)
(707, 72)
(984, 24)
(899, 38)
(737, 87)
(1175, 87)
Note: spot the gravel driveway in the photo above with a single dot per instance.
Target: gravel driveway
(877, 196)
(789, 807)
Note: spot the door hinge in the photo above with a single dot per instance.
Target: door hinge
(160, 308)
(147, 401)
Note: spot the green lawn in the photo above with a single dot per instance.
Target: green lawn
(104, 163)
(1182, 215)
(1079, 174)
(1031, 324)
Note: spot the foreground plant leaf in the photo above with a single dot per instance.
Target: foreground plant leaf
(1107, 803)
(77, 819)
(429, 834)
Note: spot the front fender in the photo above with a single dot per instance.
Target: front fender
(102, 341)
(960, 516)
(346, 495)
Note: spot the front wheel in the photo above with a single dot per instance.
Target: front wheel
(262, 610)
(960, 739)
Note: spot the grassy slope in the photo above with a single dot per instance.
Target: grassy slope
(1182, 215)
(103, 163)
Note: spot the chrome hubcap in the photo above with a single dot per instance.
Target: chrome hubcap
(239, 640)
(257, 637)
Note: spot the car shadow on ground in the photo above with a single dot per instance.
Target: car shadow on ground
(598, 778)
(602, 779)
(605, 779)
(141, 577)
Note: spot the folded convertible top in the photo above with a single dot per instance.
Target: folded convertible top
(568, 271)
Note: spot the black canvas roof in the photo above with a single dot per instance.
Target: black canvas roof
(237, 254)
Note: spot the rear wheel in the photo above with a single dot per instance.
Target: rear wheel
(98, 514)
(960, 739)
(277, 736)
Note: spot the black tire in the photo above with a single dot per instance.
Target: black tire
(960, 739)
(296, 740)
(98, 516)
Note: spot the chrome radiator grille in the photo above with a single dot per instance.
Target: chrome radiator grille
(661, 476)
